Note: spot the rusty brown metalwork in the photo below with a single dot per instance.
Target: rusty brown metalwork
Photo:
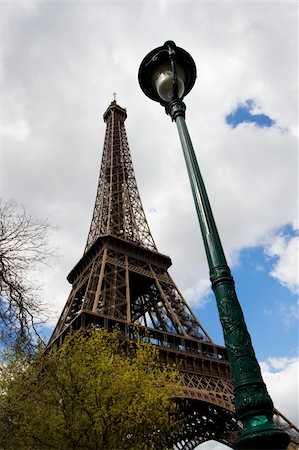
(122, 280)
(118, 209)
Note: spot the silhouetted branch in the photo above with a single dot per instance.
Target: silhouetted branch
(23, 246)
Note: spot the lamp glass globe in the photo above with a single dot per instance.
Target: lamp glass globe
(162, 80)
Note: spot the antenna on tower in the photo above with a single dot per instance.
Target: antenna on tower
(114, 96)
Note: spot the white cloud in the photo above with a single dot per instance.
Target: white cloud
(281, 377)
(286, 267)
(200, 291)
(18, 131)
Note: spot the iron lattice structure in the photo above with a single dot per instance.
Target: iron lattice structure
(118, 209)
(123, 280)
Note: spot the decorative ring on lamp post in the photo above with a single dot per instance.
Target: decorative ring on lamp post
(166, 75)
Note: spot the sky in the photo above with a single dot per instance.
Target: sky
(60, 63)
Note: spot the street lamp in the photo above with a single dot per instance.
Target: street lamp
(166, 75)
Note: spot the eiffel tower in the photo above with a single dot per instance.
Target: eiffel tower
(122, 280)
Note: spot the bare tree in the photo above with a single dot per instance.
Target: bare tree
(23, 246)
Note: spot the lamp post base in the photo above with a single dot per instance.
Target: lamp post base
(260, 432)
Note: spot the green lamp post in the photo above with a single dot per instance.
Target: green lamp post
(166, 75)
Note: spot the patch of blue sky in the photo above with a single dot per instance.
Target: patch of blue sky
(265, 304)
(45, 331)
(288, 230)
(244, 114)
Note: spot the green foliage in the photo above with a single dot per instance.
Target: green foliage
(89, 395)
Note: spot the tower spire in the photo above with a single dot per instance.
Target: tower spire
(118, 209)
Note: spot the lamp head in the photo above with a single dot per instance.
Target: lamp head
(167, 73)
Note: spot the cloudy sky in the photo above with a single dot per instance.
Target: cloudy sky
(60, 63)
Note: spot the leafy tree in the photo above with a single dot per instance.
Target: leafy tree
(23, 245)
(89, 395)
